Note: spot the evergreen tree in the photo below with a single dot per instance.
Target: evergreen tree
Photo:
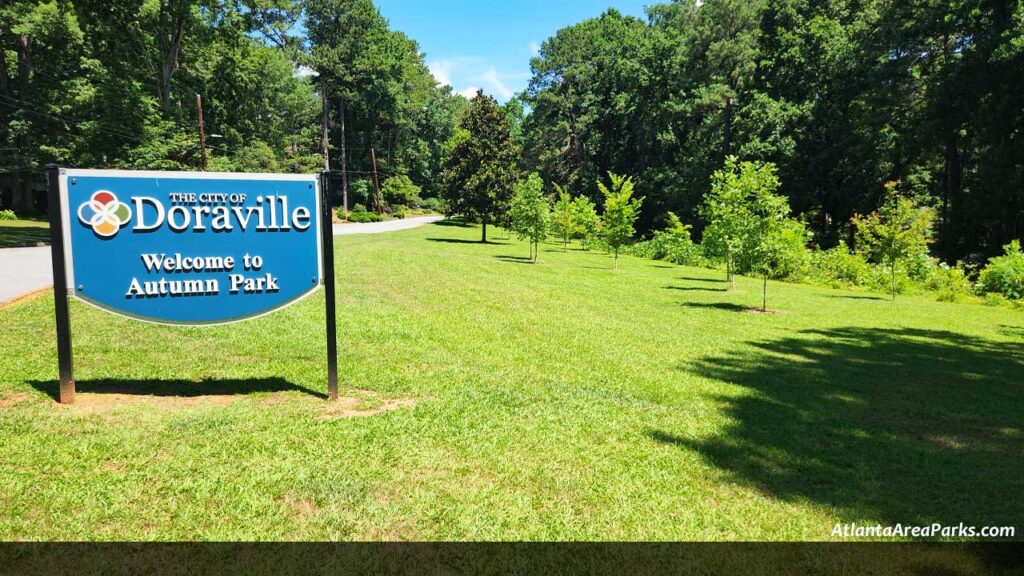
(480, 174)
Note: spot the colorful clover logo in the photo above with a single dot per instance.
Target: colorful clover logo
(104, 213)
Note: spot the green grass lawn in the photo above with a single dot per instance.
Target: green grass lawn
(24, 232)
(562, 400)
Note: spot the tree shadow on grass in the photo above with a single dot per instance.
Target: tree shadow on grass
(11, 236)
(888, 425)
(857, 296)
(694, 289)
(465, 241)
(178, 388)
(515, 259)
(1017, 331)
(727, 306)
(453, 222)
(697, 279)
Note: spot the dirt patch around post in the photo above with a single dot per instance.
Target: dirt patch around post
(98, 403)
(354, 407)
(759, 311)
(13, 399)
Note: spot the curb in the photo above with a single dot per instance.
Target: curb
(26, 296)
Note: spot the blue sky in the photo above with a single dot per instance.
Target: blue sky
(488, 44)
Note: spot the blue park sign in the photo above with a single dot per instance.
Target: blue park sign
(190, 247)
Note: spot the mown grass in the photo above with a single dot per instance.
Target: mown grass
(558, 400)
(24, 232)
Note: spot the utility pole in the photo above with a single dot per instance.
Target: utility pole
(202, 131)
(344, 173)
(326, 123)
(376, 183)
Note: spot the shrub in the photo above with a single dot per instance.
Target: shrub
(950, 283)
(882, 279)
(359, 208)
(434, 205)
(400, 191)
(359, 192)
(8, 215)
(838, 267)
(364, 216)
(673, 244)
(1004, 275)
(400, 212)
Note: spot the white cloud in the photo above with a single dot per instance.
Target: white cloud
(469, 92)
(490, 76)
(534, 48)
(304, 72)
(442, 71)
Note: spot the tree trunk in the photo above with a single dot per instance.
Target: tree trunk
(728, 272)
(764, 294)
(5, 87)
(727, 130)
(616, 264)
(952, 193)
(893, 264)
(483, 231)
(21, 201)
(21, 194)
(172, 20)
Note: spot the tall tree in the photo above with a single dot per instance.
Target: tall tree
(480, 174)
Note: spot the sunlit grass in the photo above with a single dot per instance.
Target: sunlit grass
(557, 400)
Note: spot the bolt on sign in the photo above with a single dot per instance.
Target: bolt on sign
(187, 248)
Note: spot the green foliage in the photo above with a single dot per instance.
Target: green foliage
(838, 267)
(364, 216)
(400, 191)
(480, 174)
(531, 213)
(359, 208)
(930, 96)
(359, 192)
(434, 204)
(621, 210)
(1004, 275)
(742, 211)
(673, 244)
(949, 283)
(898, 230)
(585, 221)
(8, 215)
(776, 248)
(563, 221)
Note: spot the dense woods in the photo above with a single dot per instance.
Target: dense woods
(842, 96)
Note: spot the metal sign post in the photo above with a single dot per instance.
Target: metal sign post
(327, 237)
(60, 286)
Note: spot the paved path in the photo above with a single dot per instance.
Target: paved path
(389, 226)
(27, 270)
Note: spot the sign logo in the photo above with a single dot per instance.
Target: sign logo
(104, 213)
